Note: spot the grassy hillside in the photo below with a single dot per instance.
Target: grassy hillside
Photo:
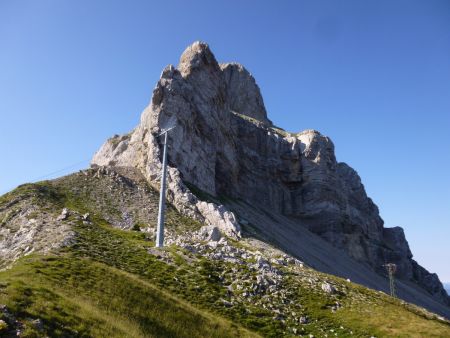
(76, 297)
(112, 282)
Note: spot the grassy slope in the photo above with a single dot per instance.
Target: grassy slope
(86, 290)
(108, 285)
(80, 297)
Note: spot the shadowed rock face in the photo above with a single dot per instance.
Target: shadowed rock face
(225, 145)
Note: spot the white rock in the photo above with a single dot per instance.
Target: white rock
(328, 288)
(210, 233)
(64, 214)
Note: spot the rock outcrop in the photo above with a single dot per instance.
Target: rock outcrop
(26, 227)
(225, 146)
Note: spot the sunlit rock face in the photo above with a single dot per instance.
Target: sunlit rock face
(224, 144)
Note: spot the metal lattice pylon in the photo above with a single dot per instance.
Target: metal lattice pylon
(391, 269)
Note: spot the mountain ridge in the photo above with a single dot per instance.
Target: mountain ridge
(242, 155)
(259, 223)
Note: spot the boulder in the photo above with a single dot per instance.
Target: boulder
(328, 288)
(64, 215)
(210, 233)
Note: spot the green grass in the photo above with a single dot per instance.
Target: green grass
(277, 130)
(282, 132)
(81, 297)
(197, 283)
(248, 118)
(364, 312)
(117, 250)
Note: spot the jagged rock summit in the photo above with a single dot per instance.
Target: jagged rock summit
(229, 83)
(280, 184)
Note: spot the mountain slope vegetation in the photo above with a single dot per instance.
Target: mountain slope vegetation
(107, 279)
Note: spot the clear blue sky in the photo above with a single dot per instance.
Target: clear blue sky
(372, 75)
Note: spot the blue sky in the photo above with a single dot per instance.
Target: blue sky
(372, 75)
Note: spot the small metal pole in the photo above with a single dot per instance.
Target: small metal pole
(162, 198)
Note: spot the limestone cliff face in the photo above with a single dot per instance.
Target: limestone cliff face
(225, 145)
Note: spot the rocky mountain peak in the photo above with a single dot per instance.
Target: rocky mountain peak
(229, 86)
(197, 56)
(260, 222)
(225, 147)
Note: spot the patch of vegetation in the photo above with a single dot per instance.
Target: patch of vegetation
(136, 227)
(282, 132)
(361, 312)
(78, 297)
(180, 223)
(258, 123)
(248, 118)
(116, 139)
(37, 191)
